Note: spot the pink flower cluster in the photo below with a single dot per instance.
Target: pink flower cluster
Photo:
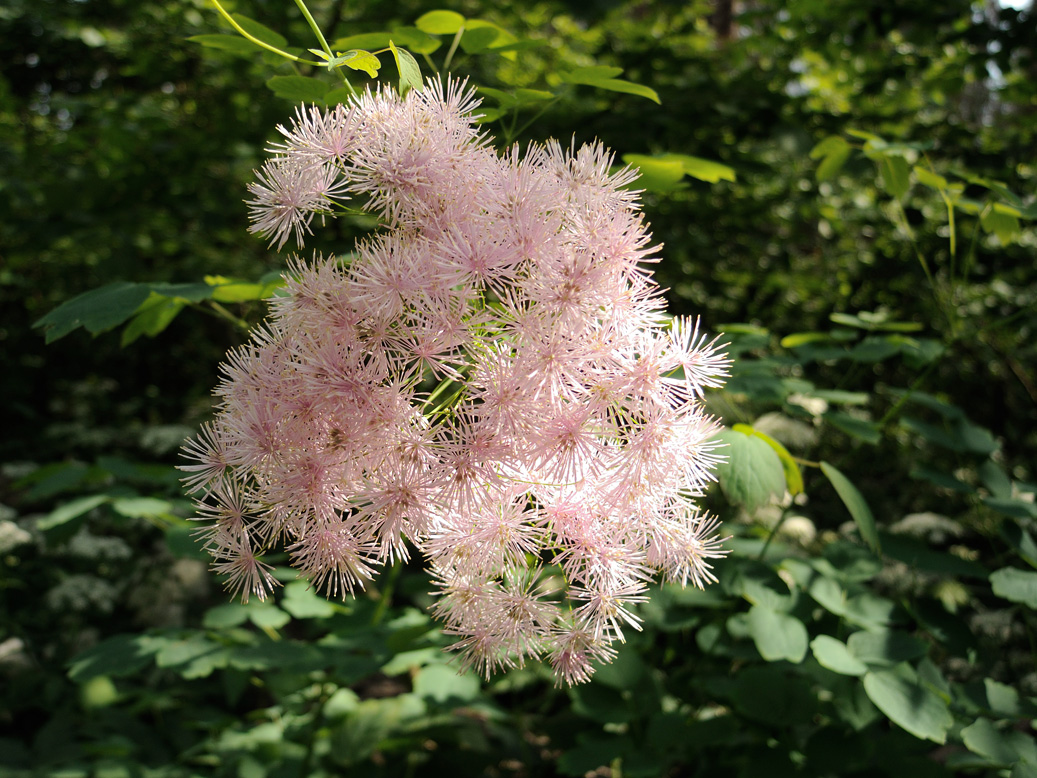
(490, 380)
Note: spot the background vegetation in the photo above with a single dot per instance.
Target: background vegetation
(871, 263)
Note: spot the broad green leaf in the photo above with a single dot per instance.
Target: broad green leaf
(440, 22)
(234, 44)
(928, 178)
(704, 169)
(117, 656)
(751, 472)
(829, 145)
(834, 655)
(443, 684)
(71, 510)
(886, 648)
(589, 75)
(793, 477)
(829, 594)
(154, 316)
(851, 425)
(1015, 585)
(261, 32)
(358, 59)
(265, 615)
(896, 176)
(627, 87)
(1004, 225)
(365, 41)
(802, 338)
(909, 703)
(231, 614)
(97, 310)
(413, 40)
(239, 293)
(410, 72)
(1003, 747)
(478, 39)
(656, 174)
(303, 602)
(777, 635)
(142, 507)
(856, 504)
(833, 152)
(298, 89)
(870, 611)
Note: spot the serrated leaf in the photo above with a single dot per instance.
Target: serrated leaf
(410, 71)
(71, 510)
(777, 635)
(298, 89)
(909, 703)
(97, 310)
(1015, 585)
(834, 655)
(751, 472)
(440, 22)
(855, 504)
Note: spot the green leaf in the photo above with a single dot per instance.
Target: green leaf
(802, 338)
(410, 72)
(117, 656)
(97, 310)
(793, 476)
(1001, 223)
(233, 44)
(589, 75)
(303, 602)
(155, 314)
(440, 22)
(357, 59)
(930, 179)
(225, 616)
(777, 635)
(267, 616)
(909, 703)
(886, 648)
(142, 507)
(657, 174)
(71, 510)
(364, 41)
(298, 89)
(834, 655)
(261, 32)
(443, 684)
(833, 151)
(1005, 748)
(627, 87)
(704, 169)
(856, 504)
(851, 425)
(895, 174)
(751, 472)
(1016, 585)
(829, 594)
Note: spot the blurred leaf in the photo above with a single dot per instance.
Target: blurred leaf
(603, 77)
(833, 152)
(777, 635)
(267, 616)
(142, 507)
(886, 648)
(303, 602)
(920, 556)
(70, 510)
(1004, 748)
(1016, 585)
(752, 472)
(901, 695)
(440, 22)
(234, 44)
(261, 32)
(298, 89)
(117, 656)
(444, 684)
(834, 655)
(231, 614)
(861, 429)
(830, 595)
(856, 504)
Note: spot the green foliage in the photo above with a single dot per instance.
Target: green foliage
(878, 489)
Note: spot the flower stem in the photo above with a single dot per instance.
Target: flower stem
(255, 40)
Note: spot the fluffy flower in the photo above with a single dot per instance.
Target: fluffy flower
(491, 381)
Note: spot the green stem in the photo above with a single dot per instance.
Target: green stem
(453, 47)
(315, 27)
(774, 532)
(255, 40)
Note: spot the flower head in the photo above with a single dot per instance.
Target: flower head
(490, 380)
